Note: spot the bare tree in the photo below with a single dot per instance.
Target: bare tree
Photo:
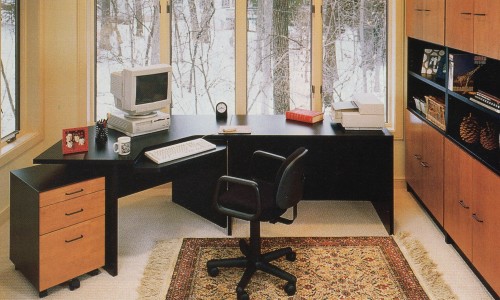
(281, 60)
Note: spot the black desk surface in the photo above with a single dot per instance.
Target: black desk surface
(184, 127)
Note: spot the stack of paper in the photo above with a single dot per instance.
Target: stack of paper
(365, 112)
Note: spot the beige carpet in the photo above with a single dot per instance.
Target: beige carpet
(150, 216)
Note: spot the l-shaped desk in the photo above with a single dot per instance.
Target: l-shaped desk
(340, 165)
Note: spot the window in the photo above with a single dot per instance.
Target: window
(354, 49)
(128, 35)
(9, 66)
(203, 56)
(279, 56)
(281, 40)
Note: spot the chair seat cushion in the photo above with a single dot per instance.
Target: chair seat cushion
(243, 198)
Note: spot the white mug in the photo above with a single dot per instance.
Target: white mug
(122, 146)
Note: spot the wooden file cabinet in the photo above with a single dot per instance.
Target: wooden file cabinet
(57, 225)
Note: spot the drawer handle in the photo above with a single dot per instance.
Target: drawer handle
(75, 239)
(475, 217)
(462, 203)
(480, 15)
(417, 156)
(75, 212)
(75, 192)
(424, 164)
(466, 13)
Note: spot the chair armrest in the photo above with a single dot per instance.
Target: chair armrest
(265, 165)
(221, 184)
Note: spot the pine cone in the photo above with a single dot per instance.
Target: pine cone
(469, 129)
(488, 137)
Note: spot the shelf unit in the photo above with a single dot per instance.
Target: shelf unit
(457, 105)
(439, 158)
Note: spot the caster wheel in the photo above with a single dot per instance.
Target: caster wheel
(43, 294)
(74, 284)
(292, 256)
(290, 288)
(94, 272)
(243, 296)
(213, 271)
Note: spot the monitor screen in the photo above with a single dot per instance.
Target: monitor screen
(151, 88)
(142, 90)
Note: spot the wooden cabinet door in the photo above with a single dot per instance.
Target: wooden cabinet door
(433, 21)
(458, 196)
(414, 15)
(413, 152)
(433, 169)
(486, 26)
(460, 25)
(486, 224)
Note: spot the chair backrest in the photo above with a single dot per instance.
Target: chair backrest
(289, 182)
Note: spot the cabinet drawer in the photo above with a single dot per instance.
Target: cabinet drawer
(70, 212)
(71, 191)
(71, 251)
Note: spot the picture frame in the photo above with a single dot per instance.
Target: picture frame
(75, 140)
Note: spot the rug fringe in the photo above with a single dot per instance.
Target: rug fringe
(159, 269)
(426, 267)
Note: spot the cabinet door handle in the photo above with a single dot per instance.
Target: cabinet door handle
(462, 203)
(475, 217)
(466, 13)
(424, 164)
(75, 212)
(75, 192)
(417, 157)
(75, 239)
(480, 15)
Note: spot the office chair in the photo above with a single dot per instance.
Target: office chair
(276, 184)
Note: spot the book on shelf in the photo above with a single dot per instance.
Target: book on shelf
(462, 68)
(495, 107)
(485, 95)
(430, 62)
(304, 115)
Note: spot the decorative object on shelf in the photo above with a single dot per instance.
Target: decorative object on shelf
(435, 111)
(431, 61)
(101, 131)
(488, 137)
(469, 129)
(462, 68)
(420, 104)
(75, 140)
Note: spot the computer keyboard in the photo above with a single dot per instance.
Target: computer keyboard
(179, 150)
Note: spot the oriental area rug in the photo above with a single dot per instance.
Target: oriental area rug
(326, 268)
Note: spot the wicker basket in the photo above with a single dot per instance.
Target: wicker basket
(435, 111)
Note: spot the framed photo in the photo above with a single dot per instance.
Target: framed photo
(75, 140)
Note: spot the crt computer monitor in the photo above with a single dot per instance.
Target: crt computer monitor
(142, 90)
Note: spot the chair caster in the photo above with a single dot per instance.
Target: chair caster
(242, 295)
(43, 294)
(292, 256)
(290, 288)
(213, 272)
(74, 284)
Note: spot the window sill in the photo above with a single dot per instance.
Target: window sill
(24, 142)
